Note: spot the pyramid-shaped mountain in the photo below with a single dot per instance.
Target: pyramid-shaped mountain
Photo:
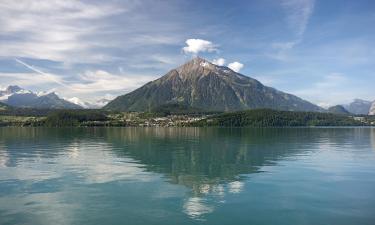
(201, 84)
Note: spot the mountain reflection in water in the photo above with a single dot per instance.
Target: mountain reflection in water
(209, 163)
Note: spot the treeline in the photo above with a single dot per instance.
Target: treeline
(62, 118)
(249, 118)
(15, 111)
(53, 117)
(273, 118)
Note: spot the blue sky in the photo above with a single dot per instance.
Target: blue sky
(322, 51)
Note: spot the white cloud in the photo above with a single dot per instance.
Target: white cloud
(235, 66)
(89, 82)
(78, 101)
(298, 14)
(219, 61)
(100, 80)
(26, 79)
(195, 46)
(53, 30)
(324, 105)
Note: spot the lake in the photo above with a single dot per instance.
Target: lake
(187, 176)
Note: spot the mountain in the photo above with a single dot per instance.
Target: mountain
(89, 105)
(201, 84)
(372, 109)
(338, 109)
(11, 90)
(3, 106)
(19, 97)
(358, 106)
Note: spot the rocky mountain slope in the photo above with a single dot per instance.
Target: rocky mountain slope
(201, 84)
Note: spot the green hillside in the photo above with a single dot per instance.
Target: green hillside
(273, 118)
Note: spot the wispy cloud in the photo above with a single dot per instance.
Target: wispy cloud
(89, 82)
(298, 13)
(47, 76)
(54, 30)
(24, 79)
(103, 81)
(293, 49)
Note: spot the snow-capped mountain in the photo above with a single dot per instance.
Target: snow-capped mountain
(16, 96)
(11, 90)
(89, 105)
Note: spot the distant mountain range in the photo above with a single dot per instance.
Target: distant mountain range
(204, 85)
(19, 97)
(358, 106)
(16, 96)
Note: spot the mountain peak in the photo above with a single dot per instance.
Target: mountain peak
(201, 84)
(197, 67)
(13, 89)
(358, 100)
(359, 106)
(198, 59)
(338, 109)
(52, 95)
(197, 62)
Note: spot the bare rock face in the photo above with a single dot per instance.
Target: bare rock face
(372, 109)
(201, 84)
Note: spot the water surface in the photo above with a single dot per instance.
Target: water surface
(187, 176)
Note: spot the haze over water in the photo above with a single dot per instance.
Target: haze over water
(187, 176)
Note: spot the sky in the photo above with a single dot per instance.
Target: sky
(322, 51)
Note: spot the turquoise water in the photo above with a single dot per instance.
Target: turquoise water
(187, 176)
